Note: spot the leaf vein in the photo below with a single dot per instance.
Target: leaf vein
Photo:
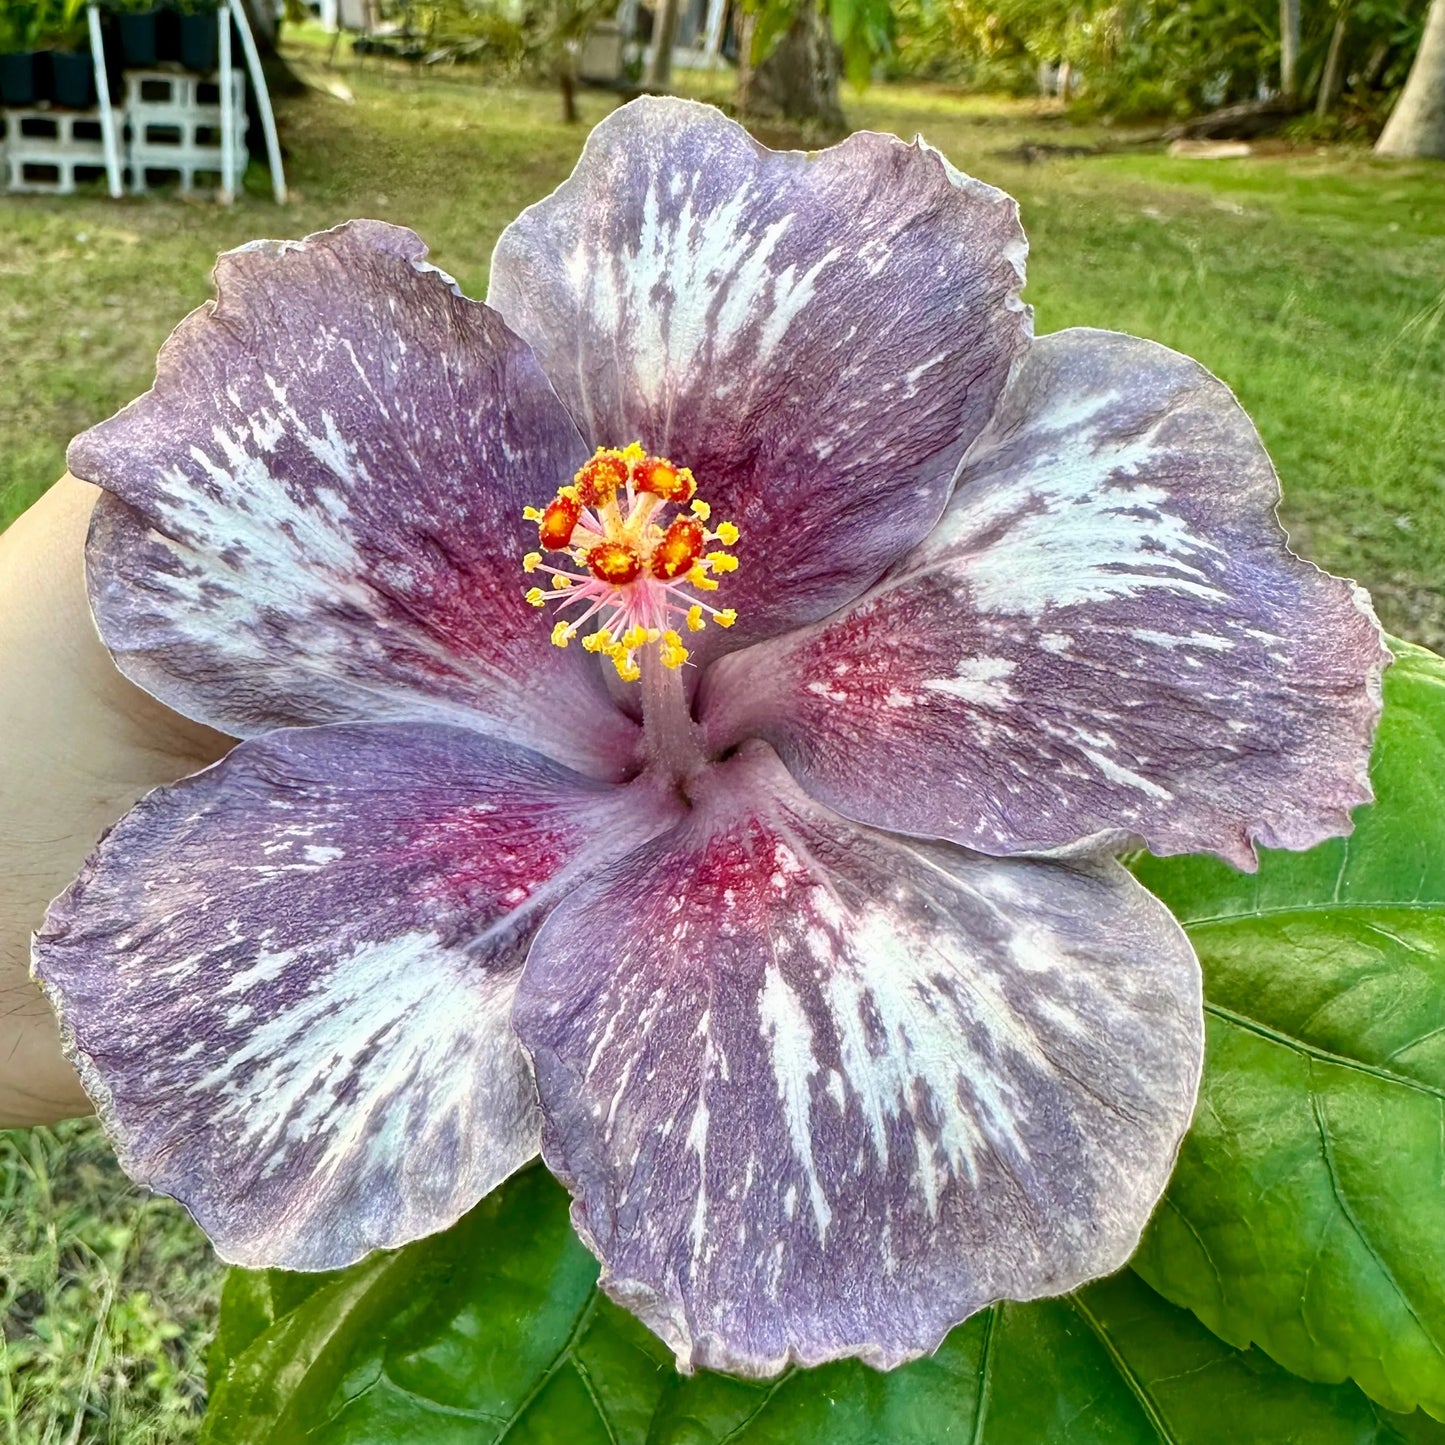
(757, 1409)
(1136, 1386)
(985, 1373)
(1325, 905)
(1337, 1190)
(584, 1318)
(592, 1394)
(1198, 1238)
(1318, 1055)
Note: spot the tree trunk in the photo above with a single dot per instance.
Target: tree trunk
(798, 80)
(1374, 64)
(265, 25)
(1334, 66)
(1417, 124)
(664, 33)
(1289, 49)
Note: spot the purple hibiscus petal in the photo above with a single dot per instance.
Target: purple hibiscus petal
(818, 338)
(286, 981)
(316, 512)
(1105, 634)
(820, 1091)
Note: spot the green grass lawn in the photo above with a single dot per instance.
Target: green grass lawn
(1313, 283)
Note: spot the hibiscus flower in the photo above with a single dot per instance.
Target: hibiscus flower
(689, 706)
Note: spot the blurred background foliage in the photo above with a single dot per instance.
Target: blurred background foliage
(1125, 59)
(1141, 58)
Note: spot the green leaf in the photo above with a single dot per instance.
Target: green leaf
(493, 1327)
(251, 1302)
(775, 17)
(1112, 1363)
(495, 1332)
(1307, 1214)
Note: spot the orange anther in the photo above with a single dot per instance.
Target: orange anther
(614, 563)
(680, 547)
(555, 528)
(662, 479)
(600, 478)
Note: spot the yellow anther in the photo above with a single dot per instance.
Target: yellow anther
(726, 617)
(633, 452)
(634, 637)
(698, 578)
(561, 581)
(627, 669)
(537, 597)
(531, 514)
(694, 618)
(531, 561)
(721, 561)
(562, 634)
(701, 510)
(673, 653)
(727, 534)
(568, 493)
(598, 642)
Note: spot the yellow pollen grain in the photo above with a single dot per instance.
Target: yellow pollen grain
(562, 634)
(536, 597)
(701, 510)
(726, 617)
(633, 452)
(694, 618)
(531, 561)
(598, 642)
(561, 582)
(727, 534)
(698, 578)
(674, 654)
(627, 669)
(721, 561)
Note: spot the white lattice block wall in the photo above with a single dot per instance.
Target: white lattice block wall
(50, 153)
(174, 92)
(173, 130)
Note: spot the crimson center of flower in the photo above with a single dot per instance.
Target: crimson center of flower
(639, 556)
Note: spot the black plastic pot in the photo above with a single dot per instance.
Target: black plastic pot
(17, 78)
(138, 37)
(72, 79)
(200, 42)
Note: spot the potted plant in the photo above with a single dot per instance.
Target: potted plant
(18, 24)
(62, 31)
(136, 22)
(200, 35)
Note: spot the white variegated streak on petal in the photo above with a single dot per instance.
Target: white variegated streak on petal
(819, 337)
(821, 1091)
(316, 512)
(1106, 634)
(286, 981)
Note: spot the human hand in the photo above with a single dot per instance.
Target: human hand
(78, 745)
